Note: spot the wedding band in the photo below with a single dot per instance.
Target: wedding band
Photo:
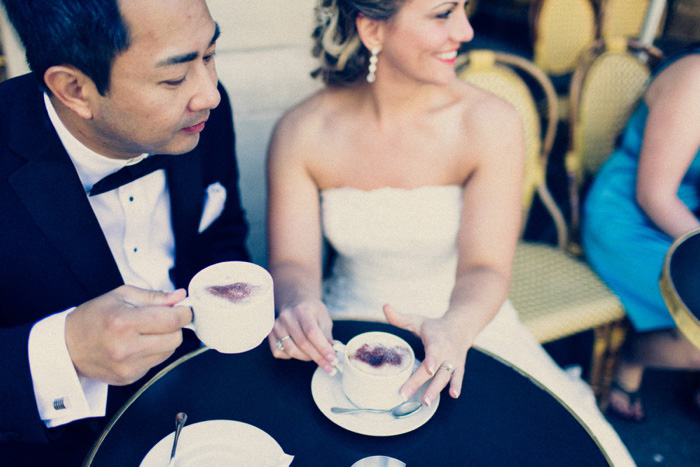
(448, 367)
(280, 342)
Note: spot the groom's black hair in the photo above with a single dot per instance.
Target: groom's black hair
(86, 34)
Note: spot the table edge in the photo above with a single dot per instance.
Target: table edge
(554, 396)
(96, 446)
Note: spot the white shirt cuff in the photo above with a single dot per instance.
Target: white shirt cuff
(61, 395)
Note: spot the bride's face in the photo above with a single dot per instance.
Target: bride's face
(421, 41)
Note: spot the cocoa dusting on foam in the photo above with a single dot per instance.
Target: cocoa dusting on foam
(235, 292)
(379, 355)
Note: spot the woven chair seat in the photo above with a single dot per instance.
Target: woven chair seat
(557, 295)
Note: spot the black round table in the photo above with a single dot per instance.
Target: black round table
(501, 418)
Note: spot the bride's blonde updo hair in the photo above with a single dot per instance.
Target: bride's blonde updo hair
(344, 59)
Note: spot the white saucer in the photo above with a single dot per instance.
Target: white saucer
(219, 443)
(327, 392)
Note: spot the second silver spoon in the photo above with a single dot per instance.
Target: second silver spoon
(180, 420)
(401, 410)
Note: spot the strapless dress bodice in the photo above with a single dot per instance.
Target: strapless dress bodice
(394, 246)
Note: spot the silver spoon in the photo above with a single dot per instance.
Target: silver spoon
(180, 420)
(402, 410)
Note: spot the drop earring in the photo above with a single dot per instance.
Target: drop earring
(373, 59)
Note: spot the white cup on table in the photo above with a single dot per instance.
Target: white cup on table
(233, 306)
(374, 366)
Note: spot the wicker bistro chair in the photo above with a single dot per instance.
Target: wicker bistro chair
(561, 31)
(605, 88)
(556, 294)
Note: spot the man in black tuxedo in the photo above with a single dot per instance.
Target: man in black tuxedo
(113, 83)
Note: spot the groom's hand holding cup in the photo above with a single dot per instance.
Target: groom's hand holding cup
(117, 337)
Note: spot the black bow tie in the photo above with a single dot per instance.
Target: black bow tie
(128, 174)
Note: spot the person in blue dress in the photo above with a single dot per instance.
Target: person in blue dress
(644, 197)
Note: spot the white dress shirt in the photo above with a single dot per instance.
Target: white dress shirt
(135, 219)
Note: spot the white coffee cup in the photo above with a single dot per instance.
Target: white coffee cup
(233, 306)
(374, 366)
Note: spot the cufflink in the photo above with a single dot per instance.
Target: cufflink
(60, 403)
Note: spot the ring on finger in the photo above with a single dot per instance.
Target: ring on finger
(280, 342)
(447, 367)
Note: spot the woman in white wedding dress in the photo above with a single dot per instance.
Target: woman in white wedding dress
(414, 177)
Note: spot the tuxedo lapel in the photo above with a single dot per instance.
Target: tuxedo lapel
(186, 188)
(47, 184)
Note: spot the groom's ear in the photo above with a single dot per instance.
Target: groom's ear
(72, 88)
(371, 31)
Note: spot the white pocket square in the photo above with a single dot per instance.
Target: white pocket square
(214, 202)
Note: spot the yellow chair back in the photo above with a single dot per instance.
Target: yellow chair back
(562, 30)
(605, 89)
(615, 81)
(624, 18)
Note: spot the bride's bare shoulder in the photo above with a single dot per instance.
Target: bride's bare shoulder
(303, 130)
(484, 112)
(475, 100)
(312, 116)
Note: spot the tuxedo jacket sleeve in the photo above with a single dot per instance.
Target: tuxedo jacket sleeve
(53, 254)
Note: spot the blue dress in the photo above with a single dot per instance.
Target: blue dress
(621, 242)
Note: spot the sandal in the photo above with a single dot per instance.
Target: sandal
(634, 412)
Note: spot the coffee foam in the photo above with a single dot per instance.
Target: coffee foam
(380, 358)
(234, 293)
(227, 290)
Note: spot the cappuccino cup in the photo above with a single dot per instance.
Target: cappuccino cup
(232, 304)
(374, 366)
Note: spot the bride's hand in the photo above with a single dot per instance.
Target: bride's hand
(303, 331)
(445, 354)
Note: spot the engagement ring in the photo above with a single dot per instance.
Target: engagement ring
(448, 367)
(280, 342)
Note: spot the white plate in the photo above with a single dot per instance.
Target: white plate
(328, 392)
(219, 443)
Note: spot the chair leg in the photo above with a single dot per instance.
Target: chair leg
(618, 332)
(607, 341)
(601, 337)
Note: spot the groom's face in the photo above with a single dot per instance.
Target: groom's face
(164, 85)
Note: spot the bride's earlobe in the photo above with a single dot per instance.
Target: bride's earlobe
(370, 31)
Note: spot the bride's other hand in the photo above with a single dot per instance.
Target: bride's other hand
(445, 354)
(303, 331)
